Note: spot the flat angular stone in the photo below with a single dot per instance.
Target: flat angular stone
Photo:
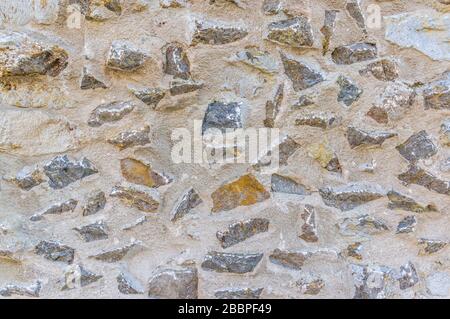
(431, 246)
(56, 209)
(362, 225)
(63, 171)
(311, 287)
(417, 146)
(216, 34)
(321, 120)
(354, 250)
(92, 232)
(254, 57)
(357, 137)
(176, 61)
(309, 228)
(115, 254)
(18, 290)
(408, 276)
(90, 82)
(24, 55)
(296, 32)
(304, 100)
(141, 220)
(326, 157)
(186, 203)
(350, 196)
(137, 197)
(137, 172)
(150, 96)
(238, 232)
(354, 53)
(284, 184)
(238, 263)
(286, 149)
(383, 70)
(399, 201)
(273, 107)
(328, 29)
(124, 56)
(222, 116)
(138, 137)
(180, 86)
(289, 259)
(28, 178)
(393, 103)
(370, 281)
(407, 225)
(301, 75)
(354, 9)
(94, 204)
(239, 293)
(417, 175)
(128, 285)
(55, 251)
(437, 94)
(244, 191)
(174, 284)
(79, 276)
(349, 93)
(109, 113)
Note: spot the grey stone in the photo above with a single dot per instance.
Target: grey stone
(438, 284)
(323, 120)
(150, 96)
(176, 61)
(137, 137)
(399, 201)
(304, 100)
(284, 184)
(370, 282)
(271, 7)
(362, 225)
(296, 32)
(357, 137)
(55, 251)
(286, 149)
(417, 175)
(92, 232)
(311, 287)
(354, 53)
(63, 171)
(109, 113)
(408, 276)
(24, 55)
(273, 107)
(383, 70)
(354, 9)
(238, 263)
(28, 178)
(289, 259)
(187, 202)
(437, 94)
(216, 34)
(407, 225)
(239, 293)
(128, 285)
(89, 81)
(222, 116)
(240, 231)
(349, 92)
(417, 146)
(116, 254)
(56, 209)
(309, 228)
(180, 86)
(301, 75)
(79, 276)
(124, 56)
(141, 198)
(31, 291)
(260, 60)
(328, 29)
(174, 284)
(94, 204)
(350, 196)
(141, 220)
(431, 246)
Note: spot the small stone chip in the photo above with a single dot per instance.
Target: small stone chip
(328, 29)
(139, 137)
(94, 204)
(417, 146)
(174, 284)
(216, 34)
(437, 93)
(239, 293)
(431, 246)
(56, 209)
(116, 254)
(284, 184)
(63, 171)
(408, 276)
(176, 61)
(89, 81)
(28, 178)
(238, 263)
(349, 93)
(399, 201)
(77, 275)
(301, 75)
(309, 228)
(238, 232)
(289, 259)
(354, 53)
(321, 120)
(92, 232)
(138, 197)
(109, 113)
(407, 225)
(383, 70)
(55, 251)
(139, 173)
(417, 175)
(124, 56)
(222, 116)
(186, 203)
(362, 225)
(150, 96)
(128, 285)
(357, 137)
(296, 32)
(180, 86)
(26, 291)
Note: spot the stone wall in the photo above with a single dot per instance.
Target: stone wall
(93, 205)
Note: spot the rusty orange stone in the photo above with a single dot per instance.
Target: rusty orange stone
(245, 191)
(137, 172)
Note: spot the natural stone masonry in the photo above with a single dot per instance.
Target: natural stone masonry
(348, 200)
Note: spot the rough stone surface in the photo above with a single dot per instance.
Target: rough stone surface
(407, 225)
(222, 116)
(301, 75)
(187, 202)
(354, 53)
(92, 232)
(128, 285)
(349, 92)
(309, 228)
(399, 201)
(124, 56)
(174, 284)
(239, 293)
(137, 137)
(289, 259)
(213, 33)
(417, 146)
(137, 197)
(231, 262)
(55, 251)
(110, 112)
(94, 204)
(241, 231)
(296, 32)
(419, 176)
(62, 171)
(285, 184)
(357, 137)
(437, 93)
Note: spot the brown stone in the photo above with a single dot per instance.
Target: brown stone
(137, 172)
